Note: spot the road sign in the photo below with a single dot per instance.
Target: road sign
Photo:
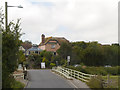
(68, 57)
(42, 64)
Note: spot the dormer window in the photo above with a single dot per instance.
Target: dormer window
(53, 46)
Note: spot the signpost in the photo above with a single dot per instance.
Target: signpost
(56, 63)
(42, 64)
(68, 60)
(20, 67)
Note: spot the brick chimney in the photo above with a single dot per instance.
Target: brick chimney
(43, 38)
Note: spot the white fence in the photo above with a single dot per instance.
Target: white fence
(69, 73)
(21, 75)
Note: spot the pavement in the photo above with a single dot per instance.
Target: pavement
(48, 79)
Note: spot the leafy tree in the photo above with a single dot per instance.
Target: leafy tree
(27, 44)
(56, 59)
(46, 61)
(21, 57)
(65, 50)
(81, 44)
(48, 55)
(77, 55)
(10, 50)
(93, 55)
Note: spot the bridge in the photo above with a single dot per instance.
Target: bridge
(55, 78)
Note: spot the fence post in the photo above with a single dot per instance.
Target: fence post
(108, 79)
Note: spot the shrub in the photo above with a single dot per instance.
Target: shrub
(52, 65)
(96, 70)
(95, 82)
(17, 84)
(112, 70)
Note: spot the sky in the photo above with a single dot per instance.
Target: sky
(75, 20)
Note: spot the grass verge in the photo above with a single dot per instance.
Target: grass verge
(17, 84)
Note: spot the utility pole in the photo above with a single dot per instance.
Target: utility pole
(6, 22)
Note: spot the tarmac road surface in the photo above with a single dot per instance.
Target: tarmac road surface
(47, 79)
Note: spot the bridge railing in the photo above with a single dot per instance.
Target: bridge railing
(68, 73)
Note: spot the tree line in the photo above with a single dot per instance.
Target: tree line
(90, 53)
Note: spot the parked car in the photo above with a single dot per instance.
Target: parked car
(76, 65)
(107, 66)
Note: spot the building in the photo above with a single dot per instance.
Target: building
(51, 44)
(34, 49)
(21, 48)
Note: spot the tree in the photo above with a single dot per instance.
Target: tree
(93, 55)
(46, 61)
(77, 55)
(65, 50)
(21, 57)
(27, 44)
(10, 50)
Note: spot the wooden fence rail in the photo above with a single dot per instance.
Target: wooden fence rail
(69, 73)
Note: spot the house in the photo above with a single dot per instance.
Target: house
(21, 48)
(51, 44)
(33, 49)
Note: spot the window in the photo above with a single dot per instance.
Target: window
(54, 53)
(53, 46)
(36, 51)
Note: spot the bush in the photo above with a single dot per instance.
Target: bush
(96, 82)
(52, 65)
(98, 70)
(112, 70)
(17, 84)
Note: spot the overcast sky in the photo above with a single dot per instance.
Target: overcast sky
(76, 20)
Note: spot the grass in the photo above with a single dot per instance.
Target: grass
(114, 77)
(17, 84)
(112, 81)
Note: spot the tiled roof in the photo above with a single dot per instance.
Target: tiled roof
(59, 39)
(35, 48)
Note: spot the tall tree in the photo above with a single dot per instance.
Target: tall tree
(65, 50)
(10, 50)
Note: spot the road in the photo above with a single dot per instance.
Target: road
(47, 79)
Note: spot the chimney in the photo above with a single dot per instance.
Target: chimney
(43, 38)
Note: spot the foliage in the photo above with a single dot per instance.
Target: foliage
(21, 57)
(112, 70)
(94, 54)
(97, 70)
(46, 61)
(34, 60)
(52, 65)
(96, 82)
(113, 81)
(65, 50)
(10, 50)
(55, 59)
(17, 84)
(27, 44)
